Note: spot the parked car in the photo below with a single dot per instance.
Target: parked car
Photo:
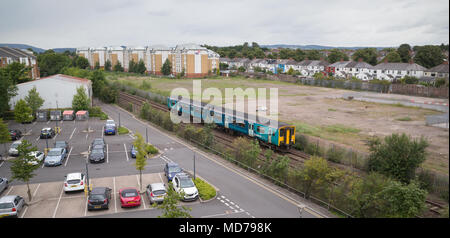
(183, 183)
(13, 148)
(11, 205)
(15, 134)
(62, 144)
(171, 169)
(55, 157)
(47, 133)
(133, 151)
(38, 157)
(110, 122)
(97, 154)
(98, 141)
(99, 198)
(110, 130)
(156, 192)
(74, 182)
(129, 197)
(3, 184)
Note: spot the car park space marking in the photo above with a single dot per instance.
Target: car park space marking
(1, 163)
(9, 191)
(72, 133)
(59, 200)
(126, 152)
(107, 155)
(34, 123)
(142, 196)
(34, 194)
(48, 122)
(54, 138)
(38, 138)
(68, 156)
(115, 200)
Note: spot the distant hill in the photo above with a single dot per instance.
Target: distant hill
(36, 49)
(316, 47)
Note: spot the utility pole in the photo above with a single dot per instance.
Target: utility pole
(194, 165)
(87, 179)
(119, 119)
(146, 136)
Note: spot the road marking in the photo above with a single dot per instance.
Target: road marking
(72, 133)
(87, 134)
(34, 194)
(48, 122)
(38, 138)
(54, 138)
(160, 177)
(54, 213)
(9, 190)
(68, 156)
(126, 152)
(107, 155)
(221, 214)
(1, 164)
(85, 210)
(62, 121)
(34, 123)
(115, 201)
(262, 185)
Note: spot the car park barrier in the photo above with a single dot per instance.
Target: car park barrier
(57, 129)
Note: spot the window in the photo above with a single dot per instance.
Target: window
(282, 132)
(261, 130)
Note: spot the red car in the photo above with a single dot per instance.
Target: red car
(129, 197)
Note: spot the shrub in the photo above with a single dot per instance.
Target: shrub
(205, 190)
(122, 130)
(301, 142)
(150, 149)
(335, 154)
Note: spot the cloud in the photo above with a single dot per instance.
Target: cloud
(53, 23)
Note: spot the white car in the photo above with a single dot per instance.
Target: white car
(74, 182)
(38, 157)
(183, 183)
(13, 148)
(110, 122)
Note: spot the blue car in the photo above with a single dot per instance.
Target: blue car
(110, 130)
(171, 169)
(133, 151)
(55, 157)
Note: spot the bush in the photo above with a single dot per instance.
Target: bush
(97, 112)
(335, 155)
(301, 142)
(205, 190)
(122, 130)
(151, 149)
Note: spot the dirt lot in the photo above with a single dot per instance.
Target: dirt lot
(321, 112)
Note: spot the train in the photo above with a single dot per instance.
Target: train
(280, 137)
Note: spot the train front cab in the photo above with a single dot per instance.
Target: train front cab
(286, 136)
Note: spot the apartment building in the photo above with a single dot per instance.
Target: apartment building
(10, 55)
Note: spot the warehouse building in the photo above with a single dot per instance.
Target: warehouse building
(56, 90)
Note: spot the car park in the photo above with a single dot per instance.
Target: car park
(37, 157)
(98, 141)
(156, 192)
(13, 151)
(15, 134)
(3, 184)
(110, 130)
(62, 144)
(74, 182)
(133, 151)
(97, 154)
(10, 206)
(182, 183)
(47, 133)
(54, 157)
(99, 198)
(171, 169)
(129, 197)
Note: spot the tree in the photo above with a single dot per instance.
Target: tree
(98, 81)
(141, 156)
(140, 68)
(393, 57)
(51, 63)
(132, 66)
(398, 156)
(166, 68)
(23, 113)
(336, 55)
(108, 65)
(118, 67)
(299, 55)
(403, 50)
(97, 65)
(82, 63)
(5, 137)
(314, 55)
(80, 100)
(429, 56)
(314, 174)
(241, 69)
(403, 201)
(33, 100)
(18, 72)
(368, 55)
(169, 205)
(21, 167)
(246, 151)
(8, 89)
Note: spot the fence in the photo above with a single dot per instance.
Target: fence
(420, 90)
(437, 119)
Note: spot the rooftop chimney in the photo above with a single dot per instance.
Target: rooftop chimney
(411, 61)
(360, 60)
(385, 60)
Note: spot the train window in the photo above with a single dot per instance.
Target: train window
(261, 130)
(282, 132)
(211, 113)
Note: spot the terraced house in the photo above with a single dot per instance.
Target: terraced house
(194, 60)
(10, 55)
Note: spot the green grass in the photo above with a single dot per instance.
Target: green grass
(205, 190)
(404, 119)
(331, 110)
(151, 149)
(337, 128)
(122, 130)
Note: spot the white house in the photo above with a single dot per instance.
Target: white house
(56, 90)
(360, 70)
(394, 71)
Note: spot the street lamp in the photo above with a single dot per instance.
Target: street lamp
(301, 208)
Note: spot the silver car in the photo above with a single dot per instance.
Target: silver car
(156, 192)
(11, 205)
(55, 157)
(3, 184)
(13, 148)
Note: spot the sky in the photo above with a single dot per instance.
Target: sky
(346, 23)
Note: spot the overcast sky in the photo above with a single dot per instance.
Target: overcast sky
(63, 23)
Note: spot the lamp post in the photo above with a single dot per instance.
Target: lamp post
(194, 165)
(301, 208)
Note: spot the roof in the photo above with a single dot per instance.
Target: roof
(67, 112)
(73, 176)
(339, 64)
(400, 66)
(313, 63)
(9, 198)
(360, 65)
(81, 112)
(442, 68)
(14, 53)
(189, 46)
(61, 77)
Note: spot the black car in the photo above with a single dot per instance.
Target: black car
(98, 141)
(47, 133)
(62, 144)
(15, 134)
(98, 154)
(99, 198)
